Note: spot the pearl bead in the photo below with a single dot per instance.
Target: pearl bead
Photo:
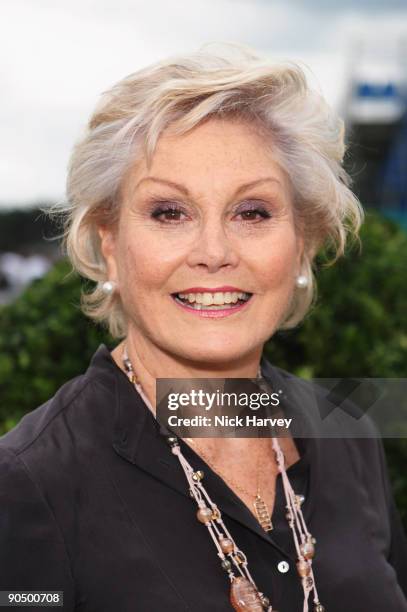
(301, 281)
(204, 514)
(226, 545)
(319, 608)
(303, 568)
(307, 550)
(226, 565)
(108, 287)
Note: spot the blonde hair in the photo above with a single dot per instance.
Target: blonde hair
(178, 93)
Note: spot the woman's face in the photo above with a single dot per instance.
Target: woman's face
(212, 215)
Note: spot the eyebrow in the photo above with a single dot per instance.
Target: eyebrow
(185, 191)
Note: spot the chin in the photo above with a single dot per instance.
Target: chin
(217, 352)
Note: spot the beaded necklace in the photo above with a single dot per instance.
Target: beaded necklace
(244, 594)
(260, 507)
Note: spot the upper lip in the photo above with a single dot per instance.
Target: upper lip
(223, 289)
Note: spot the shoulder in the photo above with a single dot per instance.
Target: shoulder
(323, 407)
(339, 429)
(49, 438)
(39, 422)
(27, 517)
(43, 461)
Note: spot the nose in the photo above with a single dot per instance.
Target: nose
(212, 248)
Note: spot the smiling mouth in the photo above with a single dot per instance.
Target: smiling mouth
(212, 301)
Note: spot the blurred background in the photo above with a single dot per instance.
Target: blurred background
(56, 59)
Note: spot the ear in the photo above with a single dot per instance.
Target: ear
(108, 250)
(300, 251)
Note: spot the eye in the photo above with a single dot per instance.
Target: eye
(254, 211)
(172, 213)
(168, 212)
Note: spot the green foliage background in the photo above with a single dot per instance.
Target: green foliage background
(357, 328)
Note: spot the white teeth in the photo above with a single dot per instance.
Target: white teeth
(218, 298)
(207, 299)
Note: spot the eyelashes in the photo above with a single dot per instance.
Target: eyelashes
(171, 213)
(171, 210)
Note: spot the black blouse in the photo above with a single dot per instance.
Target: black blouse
(93, 503)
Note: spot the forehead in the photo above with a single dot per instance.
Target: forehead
(217, 153)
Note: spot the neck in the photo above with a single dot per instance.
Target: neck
(151, 362)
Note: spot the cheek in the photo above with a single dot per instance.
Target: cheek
(145, 266)
(278, 264)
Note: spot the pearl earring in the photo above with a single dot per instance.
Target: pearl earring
(301, 281)
(108, 287)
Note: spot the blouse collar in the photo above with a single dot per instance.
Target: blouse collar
(136, 437)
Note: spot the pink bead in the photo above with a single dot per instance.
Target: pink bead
(303, 568)
(244, 597)
(307, 550)
(226, 545)
(204, 515)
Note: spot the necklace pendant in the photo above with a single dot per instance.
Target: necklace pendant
(244, 597)
(263, 515)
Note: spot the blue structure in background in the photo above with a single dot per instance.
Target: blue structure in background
(394, 177)
(376, 117)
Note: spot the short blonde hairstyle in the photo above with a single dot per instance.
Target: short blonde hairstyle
(229, 81)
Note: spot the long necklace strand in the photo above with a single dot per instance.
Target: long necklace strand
(260, 507)
(244, 594)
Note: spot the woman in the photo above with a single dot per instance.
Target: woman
(198, 198)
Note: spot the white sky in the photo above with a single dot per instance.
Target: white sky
(56, 57)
